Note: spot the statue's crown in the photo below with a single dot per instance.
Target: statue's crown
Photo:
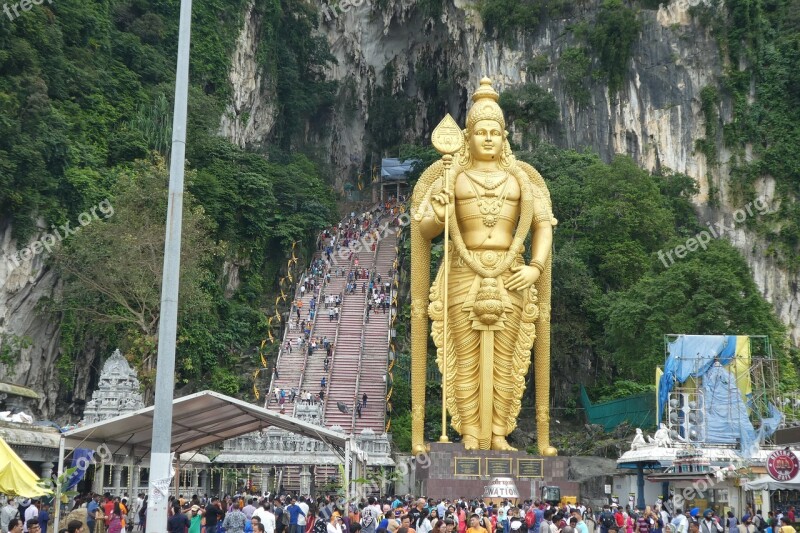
(485, 105)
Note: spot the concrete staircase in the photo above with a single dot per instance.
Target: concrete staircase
(346, 356)
(359, 357)
(374, 359)
(290, 364)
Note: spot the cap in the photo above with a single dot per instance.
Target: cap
(195, 508)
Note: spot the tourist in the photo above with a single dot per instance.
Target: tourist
(746, 526)
(710, 523)
(364, 400)
(234, 520)
(475, 525)
(33, 525)
(579, 526)
(335, 524)
(31, 512)
(196, 519)
(44, 517)
(266, 516)
(7, 513)
(15, 525)
(785, 525)
(295, 511)
(114, 518)
(214, 514)
(732, 523)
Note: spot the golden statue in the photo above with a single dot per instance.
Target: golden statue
(497, 306)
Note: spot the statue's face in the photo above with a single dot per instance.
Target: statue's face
(486, 142)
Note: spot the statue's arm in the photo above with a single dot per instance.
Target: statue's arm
(542, 229)
(430, 227)
(431, 224)
(541, 243)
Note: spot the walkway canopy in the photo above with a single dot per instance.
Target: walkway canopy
(198, 420)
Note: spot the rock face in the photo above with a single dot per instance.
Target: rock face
(656, 117)
(29, 336)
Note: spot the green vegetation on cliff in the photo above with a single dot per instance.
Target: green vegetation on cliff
(85, 115)
(761, 39)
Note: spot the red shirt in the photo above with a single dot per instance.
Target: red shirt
(108, 508)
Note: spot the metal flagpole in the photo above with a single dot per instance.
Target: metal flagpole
(160, 463)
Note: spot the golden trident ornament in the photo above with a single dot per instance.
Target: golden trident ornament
(448, 140)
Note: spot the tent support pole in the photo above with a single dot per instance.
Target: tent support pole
(57, 492)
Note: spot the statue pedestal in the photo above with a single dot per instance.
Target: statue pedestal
(450, 471)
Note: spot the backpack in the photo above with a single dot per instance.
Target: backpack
(285, 518)
(608, 520)
(530, 518)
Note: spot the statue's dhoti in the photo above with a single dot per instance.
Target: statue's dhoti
(490, 334)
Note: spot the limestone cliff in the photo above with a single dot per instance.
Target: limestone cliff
(655, 118)
(29, 334)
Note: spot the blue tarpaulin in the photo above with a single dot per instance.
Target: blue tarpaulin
(691, 356)
(81, 459)
(726, 406)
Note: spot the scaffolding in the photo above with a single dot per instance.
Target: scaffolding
(712, 394)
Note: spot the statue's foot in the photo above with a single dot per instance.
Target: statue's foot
(549, 451)
(501, 444)
(470, 442)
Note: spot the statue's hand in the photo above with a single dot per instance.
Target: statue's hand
(440, 202)
(523, 277)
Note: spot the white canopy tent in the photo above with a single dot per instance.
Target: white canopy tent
(198, 420)
(766, 482)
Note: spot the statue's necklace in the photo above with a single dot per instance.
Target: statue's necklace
(489, 204)
(488, 181)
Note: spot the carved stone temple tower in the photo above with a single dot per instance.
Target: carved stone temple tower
(118, 392)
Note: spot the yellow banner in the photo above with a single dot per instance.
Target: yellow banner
(740, 367)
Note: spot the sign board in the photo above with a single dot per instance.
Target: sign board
(467, 466)
(501, 487)
(530, 468)
(498, 466)
(782, 465)
(607, 489)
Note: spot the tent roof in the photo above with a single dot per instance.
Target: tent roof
(198, 420)
(765, 482)
(16, 478)
(393, 169)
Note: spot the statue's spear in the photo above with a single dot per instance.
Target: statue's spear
(448, 140)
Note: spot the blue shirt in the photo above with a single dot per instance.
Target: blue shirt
(90, 510)
(294, 511)
(44, 518)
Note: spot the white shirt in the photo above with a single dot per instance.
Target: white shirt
(267, 518)
(30, 512)
(333, 528)
(301, 518)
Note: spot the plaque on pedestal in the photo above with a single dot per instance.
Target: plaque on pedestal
(498, 466)
(530, 468)
(467, 466)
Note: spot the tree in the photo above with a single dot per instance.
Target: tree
(112, 267)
